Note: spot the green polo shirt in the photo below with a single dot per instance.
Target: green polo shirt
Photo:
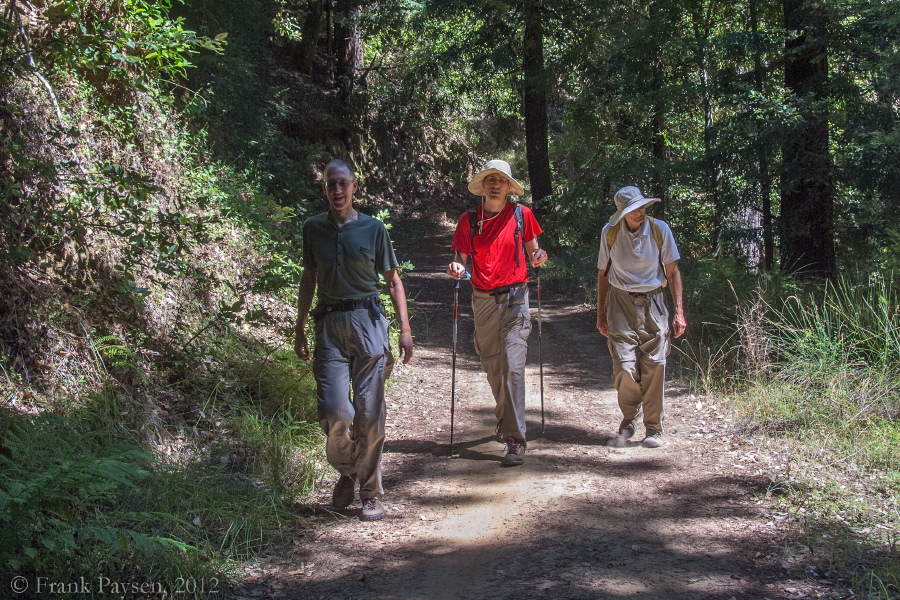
(349, 261)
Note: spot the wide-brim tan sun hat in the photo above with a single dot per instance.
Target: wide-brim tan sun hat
(629, 198)
(500, 167)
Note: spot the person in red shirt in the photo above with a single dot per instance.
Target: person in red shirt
(500, 293)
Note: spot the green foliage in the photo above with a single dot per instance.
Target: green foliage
(61, 499)
(849, 326)
(817, 369)
(121, 40)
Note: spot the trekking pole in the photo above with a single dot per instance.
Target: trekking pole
(453, 376)
(540, 345)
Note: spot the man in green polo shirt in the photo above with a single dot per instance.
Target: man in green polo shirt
(345, 255)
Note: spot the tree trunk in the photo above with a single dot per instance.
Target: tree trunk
(348, 48)
(657, 125)
(536, 91)
(762, 150)
(807, 192)
(312, 30)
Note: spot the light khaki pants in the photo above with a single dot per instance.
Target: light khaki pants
(352, 360)
(502, 325)
(638, 342)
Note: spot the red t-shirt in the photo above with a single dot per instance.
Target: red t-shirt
(494, 259)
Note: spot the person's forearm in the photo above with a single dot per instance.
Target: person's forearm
(673, 276)
(602, 291)
(677, 289)
(305, 297)
(398, 298)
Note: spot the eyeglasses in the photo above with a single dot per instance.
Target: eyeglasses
(495, 179)
(338, 184)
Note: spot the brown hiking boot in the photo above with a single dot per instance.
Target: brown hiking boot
(515, 453)
(626, 429)
(343, 492)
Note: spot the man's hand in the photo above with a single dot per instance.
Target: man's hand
(538, 257)
(602, 324)
(301, 345)
(406, 346)
(456, 270)
(679, 324)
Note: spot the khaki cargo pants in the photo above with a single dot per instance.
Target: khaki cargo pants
(502, 325)
(638, 343)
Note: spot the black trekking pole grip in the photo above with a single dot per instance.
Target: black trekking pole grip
(540, 344)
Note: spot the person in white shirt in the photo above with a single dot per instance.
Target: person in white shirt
(635, 263)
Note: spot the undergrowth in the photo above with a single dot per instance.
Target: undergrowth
(110, 490)
(156, 428)
(817, 371)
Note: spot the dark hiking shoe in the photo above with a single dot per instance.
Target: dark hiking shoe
(372, 510)
(626, 429)
(343, 492)
(515, 453)
(653, 439)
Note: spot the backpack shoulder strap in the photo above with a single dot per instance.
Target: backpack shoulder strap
(520, 227)
(656, 232)
(473, 227)
(611, 234)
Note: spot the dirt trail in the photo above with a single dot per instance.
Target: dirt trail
(579, 520)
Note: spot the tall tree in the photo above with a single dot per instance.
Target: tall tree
(762, 148)
(535, 95)
(807, 188)
(312, 31)
(348, 44)
(658, 144)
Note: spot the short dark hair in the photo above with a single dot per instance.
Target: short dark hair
(338, 164)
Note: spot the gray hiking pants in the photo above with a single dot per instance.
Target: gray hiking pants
(502, 325)
(351, 362)
(638, 342)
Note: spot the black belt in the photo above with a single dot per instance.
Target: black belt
(642, 294)
(503, 289)
(347, 305)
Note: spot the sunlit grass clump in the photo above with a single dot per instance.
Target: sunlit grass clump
(821, 371)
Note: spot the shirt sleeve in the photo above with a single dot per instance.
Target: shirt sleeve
(308, 260)
(387, 259)
(603, 258)
(461, 237)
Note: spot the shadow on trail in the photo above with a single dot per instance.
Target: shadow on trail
(578, 521)
(598, 556)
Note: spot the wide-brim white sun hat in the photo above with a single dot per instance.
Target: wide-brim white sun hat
(629, 198)
(500, 167)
